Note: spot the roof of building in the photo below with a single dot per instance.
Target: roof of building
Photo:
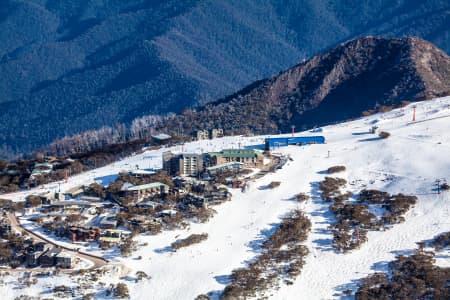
(39, 172)
(35, 253)
(190, 155)
(241, 153)
(170, 212)
(295, 139)
(51, 159)
(161, 136)
(12, 172)
(47, 194)
(44, 164)
(52, 252)
(108, 220)
(65, 255)
(114, 231)
(225, 166)
(72, 202)
(111, 235)
(75, 190)
(149, 204)
(109, 239)
(91, 198)
(83, 229)
(126, 186)
(147, 186)
(141, 172)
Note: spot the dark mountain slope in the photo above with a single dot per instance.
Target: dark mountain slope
(68, 66)
(336, 85)
(267, 36)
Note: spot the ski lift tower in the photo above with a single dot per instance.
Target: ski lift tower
(438, 184)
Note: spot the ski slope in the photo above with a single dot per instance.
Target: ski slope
(409, 162)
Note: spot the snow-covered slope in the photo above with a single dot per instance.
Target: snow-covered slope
(409, 161)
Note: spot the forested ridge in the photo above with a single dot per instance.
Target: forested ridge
(357, 78)
(76, 65)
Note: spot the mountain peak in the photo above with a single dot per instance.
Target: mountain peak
(335, 85)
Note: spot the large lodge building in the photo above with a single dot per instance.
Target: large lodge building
(190, 164)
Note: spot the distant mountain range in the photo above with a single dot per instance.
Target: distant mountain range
(362, 75)
(73, 65)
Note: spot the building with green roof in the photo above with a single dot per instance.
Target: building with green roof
(41, 168)
(249, 157)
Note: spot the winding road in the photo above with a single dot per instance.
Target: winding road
(96, 260)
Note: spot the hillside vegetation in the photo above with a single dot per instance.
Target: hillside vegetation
(357, 78)
(75, 65)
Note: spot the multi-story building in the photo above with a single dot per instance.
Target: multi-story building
(191, 164)
(185, 164)
(144, 191)
(201, 135)
(249, 157)
(208, 134)
(216, 133)
(170, 163)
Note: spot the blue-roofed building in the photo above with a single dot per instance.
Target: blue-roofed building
(271, 143)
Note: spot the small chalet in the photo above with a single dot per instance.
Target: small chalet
(83, 234)
(38, 247)
(168, 213)
(196, 200)
(32, 258)
(108, 222)
(16, 260)
(142, 223)
(141, 173)
(5, 228)
(149, 204)
(110, 238)
(41, 168)
(161, 138)
(74, 192)
(71, 205)
(48, 258)
(64, 260)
